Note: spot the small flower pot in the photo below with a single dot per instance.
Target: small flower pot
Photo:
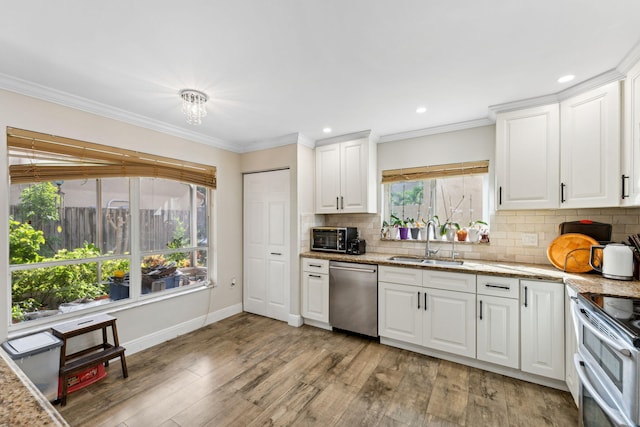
(414, 233)
(462, 235)
(404, 233)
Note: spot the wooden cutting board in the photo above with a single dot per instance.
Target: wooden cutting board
(570, 252)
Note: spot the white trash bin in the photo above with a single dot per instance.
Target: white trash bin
(38, 356)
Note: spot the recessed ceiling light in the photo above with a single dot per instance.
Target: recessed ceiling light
(567, 78)
(326, 130)
(421, 110)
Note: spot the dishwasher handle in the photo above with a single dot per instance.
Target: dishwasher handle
(360, 270)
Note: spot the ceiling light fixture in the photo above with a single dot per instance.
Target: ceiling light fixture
(567, 78)
(193, 105)
(421, 110)
(326, 130)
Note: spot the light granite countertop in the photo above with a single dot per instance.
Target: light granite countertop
(580, 282)
(21, 403)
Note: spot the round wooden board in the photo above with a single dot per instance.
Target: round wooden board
(570, 252)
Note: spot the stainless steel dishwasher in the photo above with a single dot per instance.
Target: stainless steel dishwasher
(353, 297)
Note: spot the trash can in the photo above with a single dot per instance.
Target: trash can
(38, 356)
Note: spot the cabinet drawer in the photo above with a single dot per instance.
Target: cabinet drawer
(312, 265)
(461, 282)
(405, 276)
(507, 287)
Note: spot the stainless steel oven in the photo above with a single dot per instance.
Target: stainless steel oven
(607, 364)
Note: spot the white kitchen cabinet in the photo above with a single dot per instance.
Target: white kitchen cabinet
(542, 328)
(571, 344)
(590, 149)
(528, 158)
(400, 312)
(449, 322)
(631, 145)
(346, 177)
(498, 321)
(315, 289)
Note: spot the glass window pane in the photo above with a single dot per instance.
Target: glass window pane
(165, 214)
(116, 216)
(172, 270)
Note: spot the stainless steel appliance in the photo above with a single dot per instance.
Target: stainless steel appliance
(332, 239)
(607, 360)
(353, 297)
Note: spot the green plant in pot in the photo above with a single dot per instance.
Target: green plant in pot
(402, 226)
(475, 229)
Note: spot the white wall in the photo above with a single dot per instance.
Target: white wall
(28, 113)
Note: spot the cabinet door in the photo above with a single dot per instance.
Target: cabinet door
(631, 149)
(400, 312)
(449, 322)
(528, 158)
(315, 296)
(542, 328)
(590, 149)
(328, 178)
(354, 166)
(498, 330)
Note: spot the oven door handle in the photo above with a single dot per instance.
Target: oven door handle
(614, 413)
(579, 315)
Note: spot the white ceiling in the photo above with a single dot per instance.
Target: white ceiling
(279, 67)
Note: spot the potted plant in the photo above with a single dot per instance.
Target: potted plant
(402, 226)
(475, 228)
(414, 228)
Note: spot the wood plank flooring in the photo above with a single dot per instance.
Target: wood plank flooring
(249, 370)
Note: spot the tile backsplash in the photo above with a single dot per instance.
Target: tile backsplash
(507, 229)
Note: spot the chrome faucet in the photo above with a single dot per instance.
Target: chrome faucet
(428, 252)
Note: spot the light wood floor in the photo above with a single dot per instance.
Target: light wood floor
(248, 370)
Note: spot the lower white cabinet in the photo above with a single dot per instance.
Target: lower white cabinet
(498, 321)
(542, 328)
(400, 311)
(315, 289)
(449, 321)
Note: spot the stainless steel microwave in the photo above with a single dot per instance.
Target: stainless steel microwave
(332, 239)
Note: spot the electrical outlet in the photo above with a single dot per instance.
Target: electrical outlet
(529, 239)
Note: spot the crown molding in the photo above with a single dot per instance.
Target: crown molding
(23, 87)
(631, 59)
(469, 124)
(607, 77)
(279, 141)
(346, 137)
(521, 104)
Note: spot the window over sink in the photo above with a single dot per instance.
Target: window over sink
(453, 195)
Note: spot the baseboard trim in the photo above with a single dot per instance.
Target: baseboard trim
(318, 324)
(158, 337)
(295, 320)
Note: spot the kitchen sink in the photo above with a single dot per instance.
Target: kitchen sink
(426, 261)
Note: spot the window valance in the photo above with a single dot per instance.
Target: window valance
(435, 171)
(37, 157)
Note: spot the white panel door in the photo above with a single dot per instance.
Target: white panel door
(328, 178)
(542, 328)
(449, 322)
(528, 158)
(266, 244)
(498, 330)
(400, 311)
(590, 149)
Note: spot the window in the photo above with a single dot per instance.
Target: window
(149, 234)
(452, 194)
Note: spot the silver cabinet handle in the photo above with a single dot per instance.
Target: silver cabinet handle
(316, 276)
(315, 265)
(341, 202)
(362, 270)
(337, 203)
(525, 296)
(418, 300)
(425, 301)
(491, 285)
(480, 309)
(276, 253)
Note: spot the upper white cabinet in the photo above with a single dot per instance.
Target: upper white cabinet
(542, 328)
(527, 158)
(631, 148)
(590, 149)
(346, 177)
(563, 156)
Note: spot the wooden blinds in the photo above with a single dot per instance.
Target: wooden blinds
(37, 157)
(436, 171)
